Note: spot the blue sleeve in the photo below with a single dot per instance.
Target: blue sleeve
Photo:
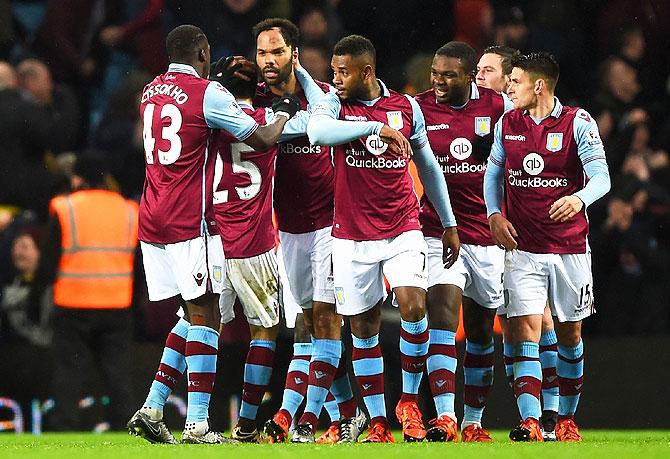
(222, 112)
(507, 103)
(592, 154)
(494, 175)
(434, 184)
(313, 92)
(324, 128)
(295, 127)
(418, 138)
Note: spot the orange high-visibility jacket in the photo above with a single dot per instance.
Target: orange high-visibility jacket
(98, 239)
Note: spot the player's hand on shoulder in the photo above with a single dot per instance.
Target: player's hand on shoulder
(286, 104)
(396, 141)
(565, 208)
(503, 232)
(451, 246)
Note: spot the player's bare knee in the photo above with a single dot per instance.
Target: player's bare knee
(568, 333)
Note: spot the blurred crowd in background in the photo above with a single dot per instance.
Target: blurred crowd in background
(71, 72)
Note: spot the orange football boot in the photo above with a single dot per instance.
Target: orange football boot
(277, 428)
(444, 429)
(528, 430)
(379, 432)
(412, 423)
(330, 436)
(567, 430)
(475, 433)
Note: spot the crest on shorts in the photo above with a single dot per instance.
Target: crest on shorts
(554, 141)
(395, 120)
(339, 295)
(216, 273)
(482, 125)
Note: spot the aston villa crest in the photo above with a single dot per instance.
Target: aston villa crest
(394, 120)
(482, 125)
(554, 141)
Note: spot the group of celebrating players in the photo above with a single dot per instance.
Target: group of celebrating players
(488, 139)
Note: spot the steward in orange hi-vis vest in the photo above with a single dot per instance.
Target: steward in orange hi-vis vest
(99, 237)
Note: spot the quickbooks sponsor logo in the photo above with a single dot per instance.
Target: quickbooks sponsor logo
(537, 182)
(463, 168)
(290, 149)
(375, 163)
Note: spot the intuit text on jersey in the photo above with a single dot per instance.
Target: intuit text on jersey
(356, 158)
(515, 178)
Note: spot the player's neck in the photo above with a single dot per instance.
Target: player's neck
(372, 91)
(248, 101)
(290, 86)
(544, 106)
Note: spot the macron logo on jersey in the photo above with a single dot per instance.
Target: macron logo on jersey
(518, 137)
(437, 127)
(355, 118)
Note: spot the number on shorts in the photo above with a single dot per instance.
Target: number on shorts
(240, 166)
(585, 296)
(169, 132)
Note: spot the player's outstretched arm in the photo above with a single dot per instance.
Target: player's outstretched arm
(313, 92)
(324, 128)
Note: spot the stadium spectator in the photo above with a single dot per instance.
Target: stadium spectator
(57, 99)
(315, 60)
(511, 28)
(20, 319)
(88, 253)
(142, 31)
(26, 133)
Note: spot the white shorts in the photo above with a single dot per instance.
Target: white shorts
(359, 268)
(309, 267)
(190, 268)
(565, 281)
(478, 271)
(255, 281)
(288, 304)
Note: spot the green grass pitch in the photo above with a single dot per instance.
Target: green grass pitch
(597, 444)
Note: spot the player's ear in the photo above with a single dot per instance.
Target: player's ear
(367, 71)
(540, 84)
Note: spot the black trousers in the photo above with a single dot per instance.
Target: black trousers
(83, 338)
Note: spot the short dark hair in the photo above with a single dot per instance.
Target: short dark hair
(91, 166)
(288, 30)
(462, 51)
(183, 43)
(355, 46)
(540, 64)
(506, 54)
(240, 87)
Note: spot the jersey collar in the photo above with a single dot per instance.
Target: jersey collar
(474, 95)
(555, 113)
(182, 68)
(385, 93)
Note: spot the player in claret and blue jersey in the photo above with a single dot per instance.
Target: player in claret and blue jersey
(181, 247)
(376, 227)
(493, 71)
(460, 117)
(542, 155)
